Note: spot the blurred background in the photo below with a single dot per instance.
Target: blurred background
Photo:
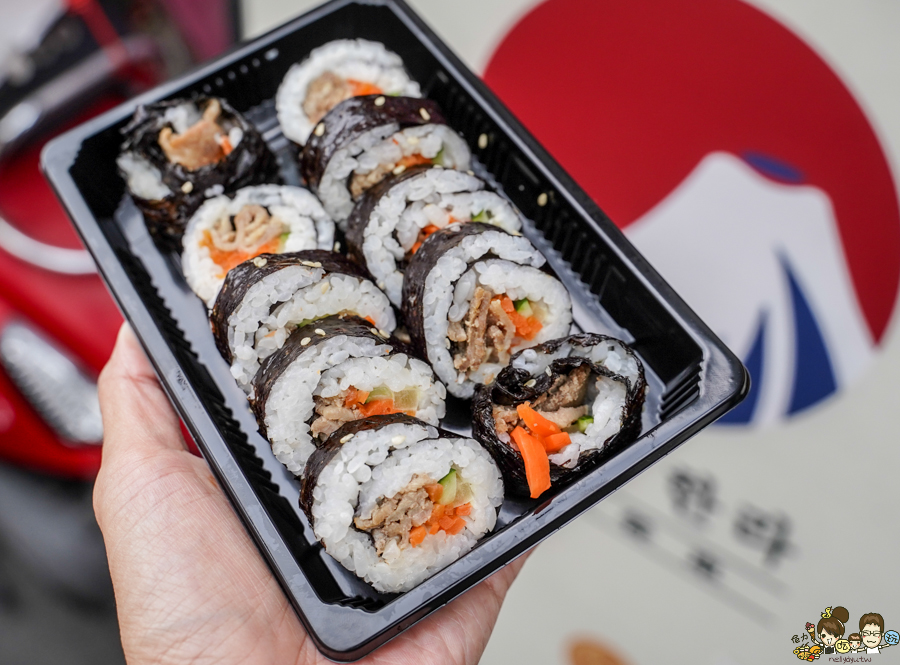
(747, 149)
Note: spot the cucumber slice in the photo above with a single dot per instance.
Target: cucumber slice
(439, 158)
(583, 423)
(523, 307)
(381, 392)
(480, 216)
(449, 484)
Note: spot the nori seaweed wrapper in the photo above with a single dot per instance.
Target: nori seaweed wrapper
(249, 163)
(275, 365)
(510, 389)
(354, 117)
(362, 211)
(422, 263)
(243, 276)
(330, 447)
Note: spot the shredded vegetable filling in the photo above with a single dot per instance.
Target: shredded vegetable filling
(422, 508)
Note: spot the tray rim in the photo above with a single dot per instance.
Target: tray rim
(718, 365)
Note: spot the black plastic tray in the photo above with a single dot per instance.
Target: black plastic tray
(693, 378)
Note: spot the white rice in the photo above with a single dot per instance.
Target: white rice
(609, 396)
(385, 145)
(356, 59)
(144, 180)
(308, 227)
(381, 463)
(276, 304)
(436, 196)
(451, 283)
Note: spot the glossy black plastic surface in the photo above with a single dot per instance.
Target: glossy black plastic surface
(693, 378)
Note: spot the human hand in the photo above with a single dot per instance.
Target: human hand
(190, 585)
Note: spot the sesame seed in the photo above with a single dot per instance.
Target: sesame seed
(379, 101)
(320, 129)
(345, 439)
(483, 141)
(412, 140)
(426, 116)
(383, 333)
(542, 199)
(319, 331)
(325, 286)
(337, 247)
(305, 341)
(470, 172)
(259, 262)
(548, 372)
(399, 169)
(397, 440)
(311, 264)
(381, 285)
(374, 331)
(187, 187)
(447, 342)
(530, 383)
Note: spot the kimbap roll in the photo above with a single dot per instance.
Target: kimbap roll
(333, 371)
(473, 295)
(392, 219)
(334, 72)
(179, 152)
(395, 500)
(265, 219)
(264, 299)
(364, 139)
(558, 407)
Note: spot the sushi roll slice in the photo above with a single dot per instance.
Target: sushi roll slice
(364, 139)
(331, 372)
(393, 218)
(558, 407)
(264, 299)
(334, 72)
(179, 152)
(473, 295)
(395, 500)
(265, 219)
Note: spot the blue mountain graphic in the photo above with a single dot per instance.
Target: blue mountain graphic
(813, 372)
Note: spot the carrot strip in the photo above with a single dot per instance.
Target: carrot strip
(369, 319)
(423, 235)
(226, 260)
(224, 143)
(361, 88)
(536, 422)
(417, 535)
(413, 160)
(526, 326)
(537, 464)
(434, 491)
(458, 525)
(464, 509)
(556, 442)
(378, 407)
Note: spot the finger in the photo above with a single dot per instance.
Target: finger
(138, 419)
